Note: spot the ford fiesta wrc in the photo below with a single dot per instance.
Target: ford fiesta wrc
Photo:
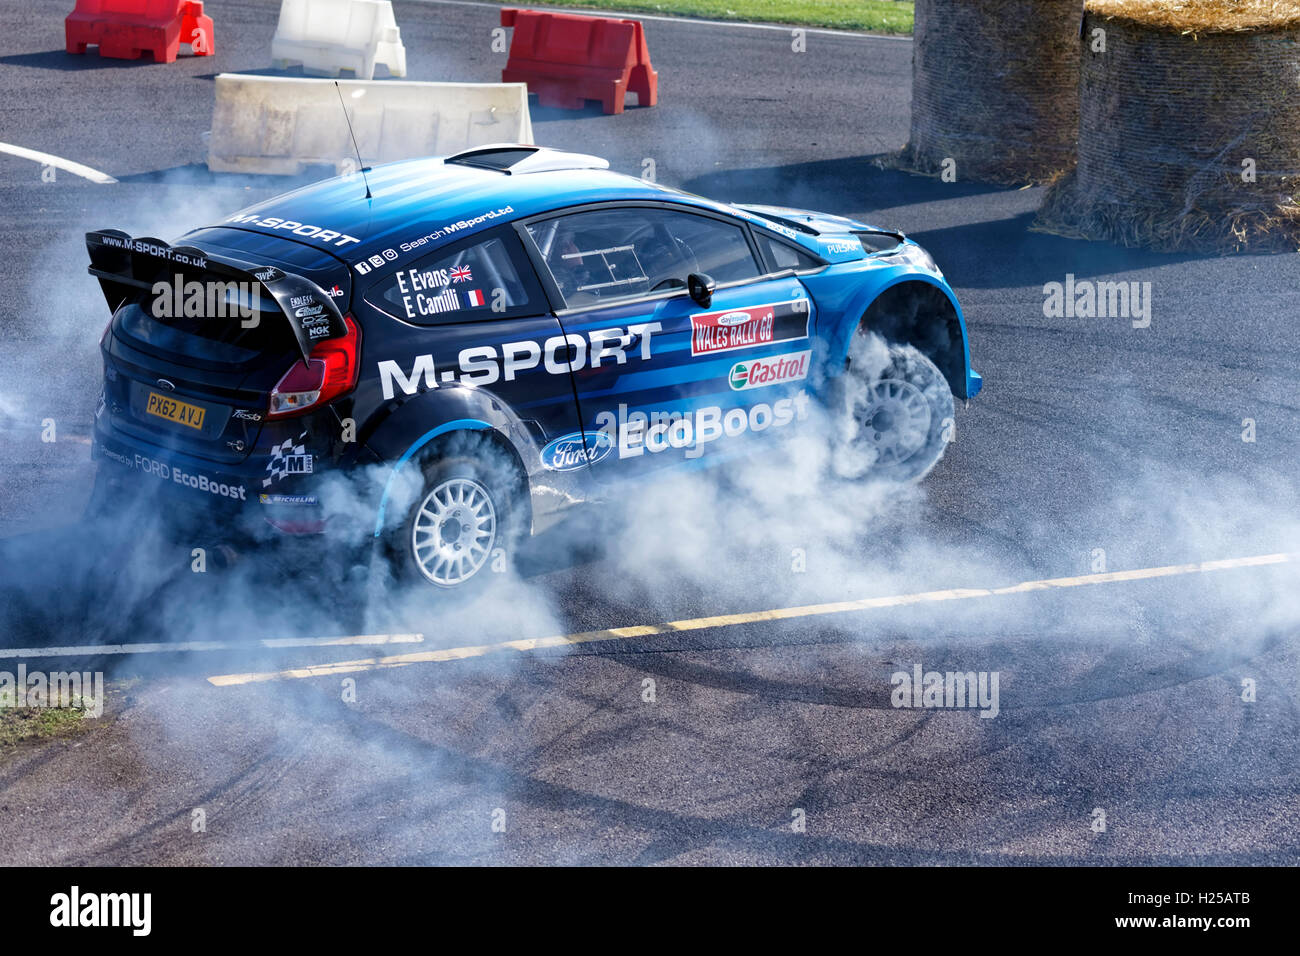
(497, 336)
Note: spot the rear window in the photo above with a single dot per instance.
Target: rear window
(204, 315)
(484, 278)
(222, 340)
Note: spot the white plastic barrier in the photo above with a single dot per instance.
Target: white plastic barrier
(327, 36)
(279, 124)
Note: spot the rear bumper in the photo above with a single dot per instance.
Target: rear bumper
(236, 497)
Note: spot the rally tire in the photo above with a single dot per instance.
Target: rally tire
(896, 413)
(463, 526)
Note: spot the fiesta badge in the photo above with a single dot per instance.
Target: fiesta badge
(570, 452)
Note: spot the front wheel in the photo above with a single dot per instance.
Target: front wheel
(895, 412)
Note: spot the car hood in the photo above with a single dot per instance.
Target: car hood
(835, 238)
(802, 220)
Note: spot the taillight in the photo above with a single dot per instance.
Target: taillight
(331, 371)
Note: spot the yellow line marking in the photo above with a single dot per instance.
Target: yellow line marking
(746, 617)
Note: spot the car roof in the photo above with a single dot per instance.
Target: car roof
(412, 199)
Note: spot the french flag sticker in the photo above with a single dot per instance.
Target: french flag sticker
(474, 297)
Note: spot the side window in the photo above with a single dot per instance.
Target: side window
(784, 256)
(486, 278)
(606, 255)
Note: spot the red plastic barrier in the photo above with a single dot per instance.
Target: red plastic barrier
(566, 59)
(123, 29)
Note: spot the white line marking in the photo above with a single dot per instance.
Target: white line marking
(67, 165)
(163, 648)
(747, 617)
(597, 12)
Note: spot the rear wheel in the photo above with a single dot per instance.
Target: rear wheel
(464, 524)
(896, 412)
(453, 531)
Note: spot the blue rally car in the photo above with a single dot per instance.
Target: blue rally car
(507, 331)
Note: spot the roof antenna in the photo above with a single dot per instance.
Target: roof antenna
(360, 164)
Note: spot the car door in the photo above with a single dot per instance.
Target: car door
(661, 379)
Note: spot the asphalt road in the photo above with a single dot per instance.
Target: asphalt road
(1094, 444)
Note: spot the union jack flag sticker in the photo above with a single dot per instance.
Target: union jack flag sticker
(460, 274)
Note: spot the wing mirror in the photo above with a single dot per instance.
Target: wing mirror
(701, 286)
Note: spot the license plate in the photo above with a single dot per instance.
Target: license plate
(182, 413)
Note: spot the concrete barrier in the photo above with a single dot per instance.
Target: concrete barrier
(326, 36)
(278, 125)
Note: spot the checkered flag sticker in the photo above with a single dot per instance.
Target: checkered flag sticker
(288, 458)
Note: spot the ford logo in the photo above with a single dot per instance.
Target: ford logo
(569, 452)
(735, 318)
(164, 384)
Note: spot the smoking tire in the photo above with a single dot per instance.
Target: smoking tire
(463, 526)
(895, 410)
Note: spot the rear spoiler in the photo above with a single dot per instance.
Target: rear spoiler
(123, 264)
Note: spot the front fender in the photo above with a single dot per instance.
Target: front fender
(843, 293)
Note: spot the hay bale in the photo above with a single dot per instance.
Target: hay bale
(1183, 94)
(995, 88)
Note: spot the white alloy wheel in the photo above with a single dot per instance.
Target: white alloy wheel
(454, 531)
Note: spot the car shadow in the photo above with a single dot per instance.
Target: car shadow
(856, 182)
(999, 252)
(64, 61)
(590, 109)
(1007, 253)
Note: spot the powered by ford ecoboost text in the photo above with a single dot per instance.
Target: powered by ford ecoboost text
(510, 330)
